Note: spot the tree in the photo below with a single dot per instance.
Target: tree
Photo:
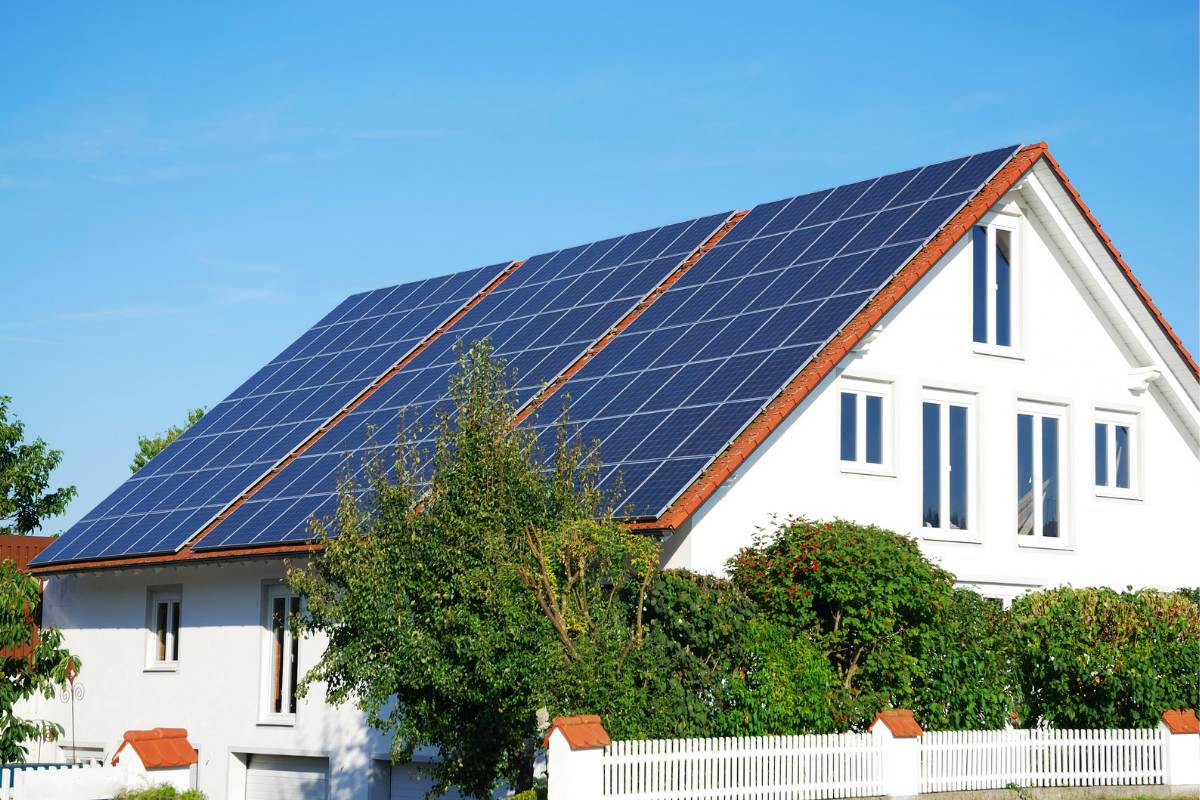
(25, 467)
(463, 590)
(150, 446)
(34, 662)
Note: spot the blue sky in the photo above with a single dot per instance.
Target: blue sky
(185, 189)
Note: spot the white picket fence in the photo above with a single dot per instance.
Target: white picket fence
(763, 768)
(50, 782)
(958, 760)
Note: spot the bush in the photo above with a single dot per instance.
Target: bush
(864, 597)
(1096, 658)
(163, 791)
(791, 686)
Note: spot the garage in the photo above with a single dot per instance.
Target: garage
(271, 777)
(409, 783)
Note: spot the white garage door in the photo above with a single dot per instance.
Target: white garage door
(287, 777)
(408, 783)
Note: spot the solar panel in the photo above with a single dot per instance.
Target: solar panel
(672, 390)
(169, 500)
(540, 320)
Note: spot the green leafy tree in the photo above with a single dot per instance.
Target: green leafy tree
(34, 662)
(1097, 658)
(461, 599)
(864, 597)
(150, 446)
(25, 467)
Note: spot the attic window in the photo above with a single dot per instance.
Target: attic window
(994, 282)
(865, 428)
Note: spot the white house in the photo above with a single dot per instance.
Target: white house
(999, 386)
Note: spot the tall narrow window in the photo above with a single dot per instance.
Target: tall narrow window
(946, 444)
(283, 652)
(1115, 453)
(993, 277)
(163, 634)
(1040, 466)
(864, 433)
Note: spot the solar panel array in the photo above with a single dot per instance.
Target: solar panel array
(169, 500)
(669, 393)
(540, 320)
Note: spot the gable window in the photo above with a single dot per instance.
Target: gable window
(994, 277)
(865, 433)
(947, 452)
(162, 629)
(1041, 465)
(1115, 453)
(281, 651)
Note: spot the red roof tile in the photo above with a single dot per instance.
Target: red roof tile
(1181, 720)
(582, 732)
(20, 549)
(900, 721)
(160, 748)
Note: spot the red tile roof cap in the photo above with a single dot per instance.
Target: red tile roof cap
(1181, 720)
(582, 732)
(900, 721)
(160, 748)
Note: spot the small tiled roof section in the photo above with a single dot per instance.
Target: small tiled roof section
(160, 748)
(21, 549)
(900, 721)
(582, 732)
(1181, 720)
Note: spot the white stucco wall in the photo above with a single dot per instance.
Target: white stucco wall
(1070, 354)
(215, 691)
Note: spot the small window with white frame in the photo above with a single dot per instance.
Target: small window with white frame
(865, 426)
(948, 495)
(995, 283)
(164, 607)
(1042, 478)
(281, 654)
(1116, 453)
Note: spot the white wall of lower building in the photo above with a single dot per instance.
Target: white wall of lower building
(1068, 354)
(215, 691)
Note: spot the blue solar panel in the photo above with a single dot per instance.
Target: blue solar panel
(540, 320)
(170, 499)
(667, 395)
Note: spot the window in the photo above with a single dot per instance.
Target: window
(282, 654)
(1041, 462)
(993, 286)
(866, 426)
(162, 641)
(1115, 453)
(947, 492)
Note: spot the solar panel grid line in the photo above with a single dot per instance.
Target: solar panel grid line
(549, 292)
(152, 509)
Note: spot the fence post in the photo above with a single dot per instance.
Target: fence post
(575, 758)
(899, 737)
(1181, 748)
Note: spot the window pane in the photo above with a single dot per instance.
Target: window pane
(849, 425)
(931, 496)
(160, 630)
(958, 467)
(1024, 474)
(1003, 287)
(874, 429)
(1101, 454)
(278, 620)
(295, 659)
(1049, 476)
(979, 299)
(1121, 444)
(175, 631)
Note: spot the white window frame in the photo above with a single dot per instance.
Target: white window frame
(1060, 411)
(862, 387)
(1012, 224)
(1132, 419)
(172, 597)
(267, 715)
(946, 398)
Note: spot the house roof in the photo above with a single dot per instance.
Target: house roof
(159, 748)
(21, 549)
(929, 210)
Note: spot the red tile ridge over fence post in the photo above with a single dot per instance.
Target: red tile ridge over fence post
(1181, 747)
(575, 760)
